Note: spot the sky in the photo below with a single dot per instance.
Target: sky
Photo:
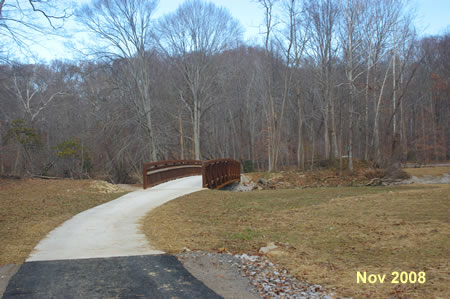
(248, 12)
(433, 18)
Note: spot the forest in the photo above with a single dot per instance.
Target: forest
(329, 82)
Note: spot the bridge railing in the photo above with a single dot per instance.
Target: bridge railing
(220, 172)
(163, 171)
(215, 173)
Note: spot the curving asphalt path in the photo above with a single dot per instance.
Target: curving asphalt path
(101, 253)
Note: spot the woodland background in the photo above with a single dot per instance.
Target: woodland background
(333, 81)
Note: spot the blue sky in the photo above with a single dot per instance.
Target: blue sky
(433, 17)
(247, 12)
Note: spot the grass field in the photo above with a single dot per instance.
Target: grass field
(328, 233)
(31, 208)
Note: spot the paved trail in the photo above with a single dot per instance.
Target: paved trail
(149, 276)
(100, 253)
(111, 229)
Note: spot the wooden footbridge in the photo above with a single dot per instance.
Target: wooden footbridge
(215, 173)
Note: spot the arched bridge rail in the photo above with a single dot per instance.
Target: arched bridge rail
(162, 171)
(216, 173)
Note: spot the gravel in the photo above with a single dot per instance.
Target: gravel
(256, 275)
(240, 187)
(428, 179)
(245, 185)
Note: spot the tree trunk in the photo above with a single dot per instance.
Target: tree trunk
(394, 87)
(326, 133)
(350, 50)
(424, 140)
(335, 149)
(196, 129)
(366, 110)
(2, 170)
(300, 147)
(180, 128)
(341, 141)
(376, 135)
(350, 126)
(153, 153)
(313, 145)
(17, 161)
(433, 128)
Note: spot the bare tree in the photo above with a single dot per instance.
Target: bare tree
(192, 36)
(271, 115)
(385, 22)
(328, 75)
(352, 42)
(123, 30)
(32, 90)
(21, 21)
(299, 33)
(324, 16)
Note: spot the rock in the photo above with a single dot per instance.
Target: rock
(244, 256)
(240, 187)
(277, 253)
(263, 182)
(375, 182)
(185, 249)
(270, 246)
(244, 179)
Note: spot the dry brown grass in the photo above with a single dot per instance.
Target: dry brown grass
(31, 208)
(433, 171)
(332, 232)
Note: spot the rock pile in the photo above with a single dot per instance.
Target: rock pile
(244, 185)
(428, 179)
(271, 282)
(265, 279)
(105, 187)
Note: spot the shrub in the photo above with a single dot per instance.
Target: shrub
(248, 166)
